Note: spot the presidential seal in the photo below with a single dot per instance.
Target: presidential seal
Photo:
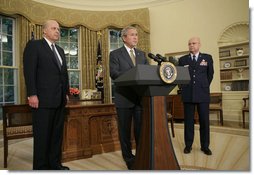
(168, 72)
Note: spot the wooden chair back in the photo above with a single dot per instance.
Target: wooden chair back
(17, 124)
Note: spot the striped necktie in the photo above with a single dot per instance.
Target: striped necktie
(132, 57)
(56, 57)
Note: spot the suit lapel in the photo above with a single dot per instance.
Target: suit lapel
(47, 47)
(199, 59)
(137, 54)
(50, 52)
(126, 56)
(190, 61)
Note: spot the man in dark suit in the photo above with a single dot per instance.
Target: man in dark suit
(47, 84)
(128, 103)
(197, 94)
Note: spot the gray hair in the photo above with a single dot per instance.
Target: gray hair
(46, 23)
(126, 29)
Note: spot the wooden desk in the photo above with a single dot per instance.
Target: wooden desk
(90, 128)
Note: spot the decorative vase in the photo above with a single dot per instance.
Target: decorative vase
(239, 51)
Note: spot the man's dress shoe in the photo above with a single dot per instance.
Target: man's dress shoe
(207, 151)
(187, 150)
(61, 167)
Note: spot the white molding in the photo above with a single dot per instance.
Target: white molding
(234, 34)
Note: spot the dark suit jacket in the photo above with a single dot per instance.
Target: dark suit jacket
(42, 74)
(120, 62)
(201, 73)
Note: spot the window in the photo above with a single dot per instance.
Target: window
(8, 68)
(115, 42)
(115, 39)
(69, 42)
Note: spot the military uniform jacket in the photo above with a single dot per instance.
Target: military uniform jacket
(201, 73)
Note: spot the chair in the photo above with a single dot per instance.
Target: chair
(177, 108)
(245, 109)
(216, 105)
(171, 120)
(169, 102)
(17, 124)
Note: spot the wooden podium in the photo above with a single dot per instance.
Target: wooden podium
(155, 151)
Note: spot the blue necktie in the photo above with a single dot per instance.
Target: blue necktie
(194, 59)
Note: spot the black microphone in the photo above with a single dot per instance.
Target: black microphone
(155, 58)
(161, 58)
(173, 60)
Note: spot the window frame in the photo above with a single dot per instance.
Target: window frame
(119, 43)
(14, 65)
(68, 56)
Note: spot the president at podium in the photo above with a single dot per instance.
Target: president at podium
(127, 101)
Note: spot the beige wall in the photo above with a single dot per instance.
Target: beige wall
(173, 24)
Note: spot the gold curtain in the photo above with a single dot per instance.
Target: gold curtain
(25, 29)
(105, 61)
(143, 39)
(88, 57)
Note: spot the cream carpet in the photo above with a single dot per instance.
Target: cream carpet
(230, 147)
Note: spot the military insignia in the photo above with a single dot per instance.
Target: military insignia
(203, 63)
(168, 72)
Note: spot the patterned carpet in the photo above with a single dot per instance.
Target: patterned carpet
(230, 146)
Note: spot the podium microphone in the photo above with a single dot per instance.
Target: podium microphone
(161, 58)
(170, 59)
(155, 58)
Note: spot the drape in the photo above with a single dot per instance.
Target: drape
(93, 26)
(25, 29)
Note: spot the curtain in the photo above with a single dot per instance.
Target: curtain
(25, 29)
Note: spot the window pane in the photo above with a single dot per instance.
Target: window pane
(68, 62)
(73, 62)
(7, 26)
(64, 34)
(74, 35)
(1, 94)
(65, 47)
(9, 93)
(74, 49)
(113, 47)
(74, 78)
(7, 59)
(8, 76)
(1, 76)
(7, 42)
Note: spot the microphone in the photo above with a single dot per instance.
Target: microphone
(161, 58)
(173, 60)
(170, 59)
(155, 58)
